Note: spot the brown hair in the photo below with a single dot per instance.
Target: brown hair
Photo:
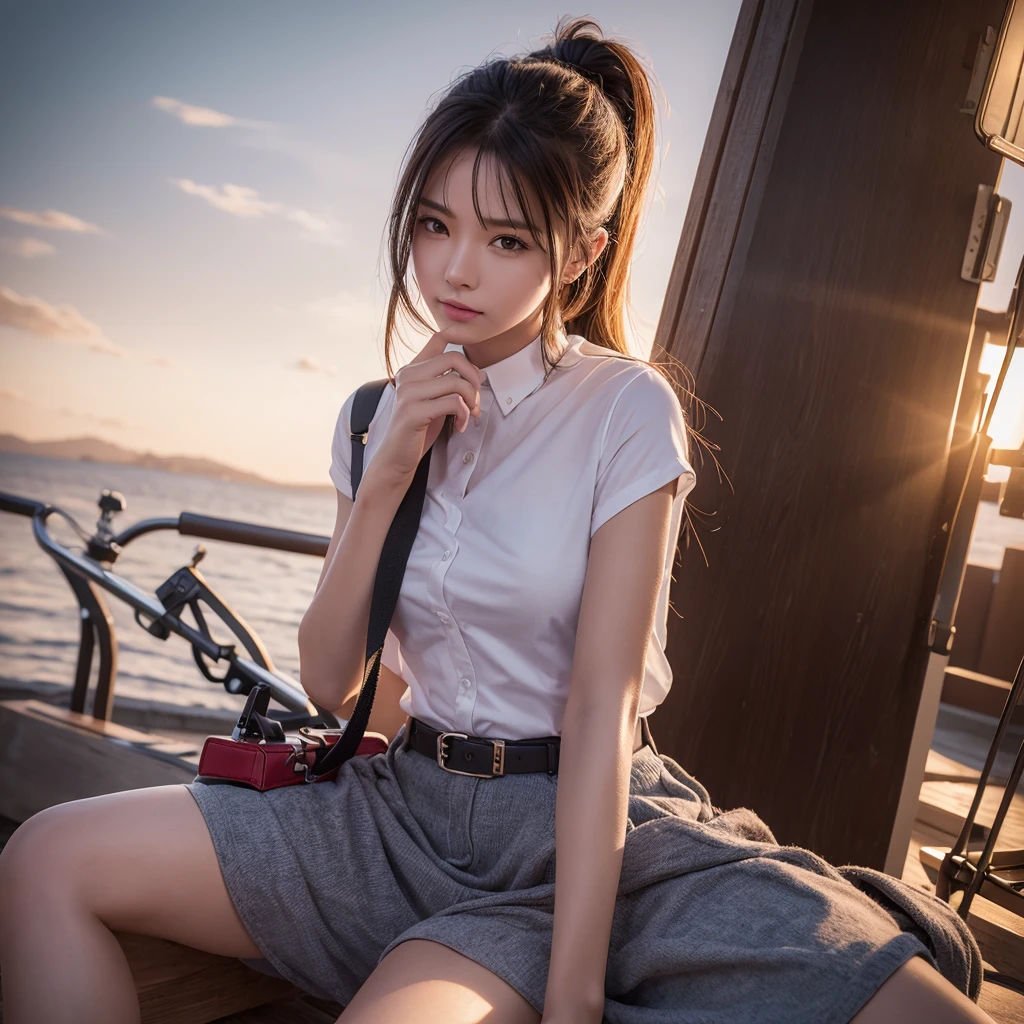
(574, 121)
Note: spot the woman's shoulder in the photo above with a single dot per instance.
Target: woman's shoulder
(622, 377)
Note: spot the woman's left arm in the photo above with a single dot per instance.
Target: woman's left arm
(624, 573)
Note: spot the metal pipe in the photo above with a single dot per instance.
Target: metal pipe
(192, 525)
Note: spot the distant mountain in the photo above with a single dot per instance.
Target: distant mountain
(93, 449)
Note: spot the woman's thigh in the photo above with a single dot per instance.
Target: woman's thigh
(916, 993)
(141, 861)
(426, 981)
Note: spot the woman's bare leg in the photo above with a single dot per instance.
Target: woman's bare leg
(428, 982)
(140, 861)
(917, 994)
(433, 984)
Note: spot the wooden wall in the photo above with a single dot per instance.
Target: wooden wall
(816, 298)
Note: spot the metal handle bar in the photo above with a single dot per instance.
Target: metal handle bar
(190, 524)
(283, 688)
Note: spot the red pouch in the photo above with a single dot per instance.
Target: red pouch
(263, 764)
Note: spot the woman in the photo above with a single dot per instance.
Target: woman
(527, 646)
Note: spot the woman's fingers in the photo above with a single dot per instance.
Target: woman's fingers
(435, 348)
(447, 373)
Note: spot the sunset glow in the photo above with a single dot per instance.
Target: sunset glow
(192, 208)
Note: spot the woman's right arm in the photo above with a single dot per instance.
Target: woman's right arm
(332, 633)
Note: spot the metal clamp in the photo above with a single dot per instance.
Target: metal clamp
(497, 758)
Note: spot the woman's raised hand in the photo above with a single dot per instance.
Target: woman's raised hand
(433, 385)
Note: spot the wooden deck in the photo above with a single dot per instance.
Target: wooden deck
(945, 795)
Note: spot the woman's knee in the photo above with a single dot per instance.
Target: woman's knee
(140, 861)
(427, 981)
(30, 862)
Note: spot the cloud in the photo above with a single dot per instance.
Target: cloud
(59, 323)
(268, 136)
(10, 395)
(310, 365)
(161, 361)
(25, 247)
(241, 201)
(204, 117)
(234, 199)
(53, 219)
(314, 225)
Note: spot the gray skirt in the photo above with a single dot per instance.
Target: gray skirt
(714, 920)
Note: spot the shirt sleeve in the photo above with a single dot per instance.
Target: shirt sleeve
(391, 656)
(341, 448)
(645, 447)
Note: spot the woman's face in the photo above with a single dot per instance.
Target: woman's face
(499, 270)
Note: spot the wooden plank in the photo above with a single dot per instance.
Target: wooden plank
(134, 712)
(706, 177)
(83, 758)
(834, 356)
(1000, 935)
(940, 768)
(180, 985)
(976, 691)
(1003, 1005)
(735, 139)
(305, 1010)
(945, 805)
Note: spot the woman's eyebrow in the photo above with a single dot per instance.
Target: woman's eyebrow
(441, 208)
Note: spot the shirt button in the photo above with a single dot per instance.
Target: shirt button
(465, 683)
(468, 457)
(508, 401)
(444, 557)
(443, 617)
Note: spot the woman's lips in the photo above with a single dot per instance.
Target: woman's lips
(458, 313)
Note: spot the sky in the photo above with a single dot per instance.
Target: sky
(193, 197)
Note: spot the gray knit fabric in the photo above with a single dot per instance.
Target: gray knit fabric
(714, 921)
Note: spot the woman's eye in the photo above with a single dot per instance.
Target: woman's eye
(511, 238)
(432, 220)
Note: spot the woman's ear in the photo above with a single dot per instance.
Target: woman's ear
(576, 267)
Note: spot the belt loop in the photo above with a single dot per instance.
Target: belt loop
(552, 757)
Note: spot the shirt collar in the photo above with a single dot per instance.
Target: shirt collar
(516, 376)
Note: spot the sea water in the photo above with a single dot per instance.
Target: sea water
(269, 590)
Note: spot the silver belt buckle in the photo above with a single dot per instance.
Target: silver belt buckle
(497, 759)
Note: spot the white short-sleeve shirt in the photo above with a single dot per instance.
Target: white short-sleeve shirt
(485, 626)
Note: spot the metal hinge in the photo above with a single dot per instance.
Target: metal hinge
(979, 70)
(985, 240)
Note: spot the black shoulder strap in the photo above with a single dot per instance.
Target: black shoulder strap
(364, 405)
(387, 583)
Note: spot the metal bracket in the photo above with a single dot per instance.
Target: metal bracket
(985, 240)
(979, 70)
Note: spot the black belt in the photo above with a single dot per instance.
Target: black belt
(480, 756)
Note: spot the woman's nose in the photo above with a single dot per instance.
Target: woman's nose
(461, 271)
